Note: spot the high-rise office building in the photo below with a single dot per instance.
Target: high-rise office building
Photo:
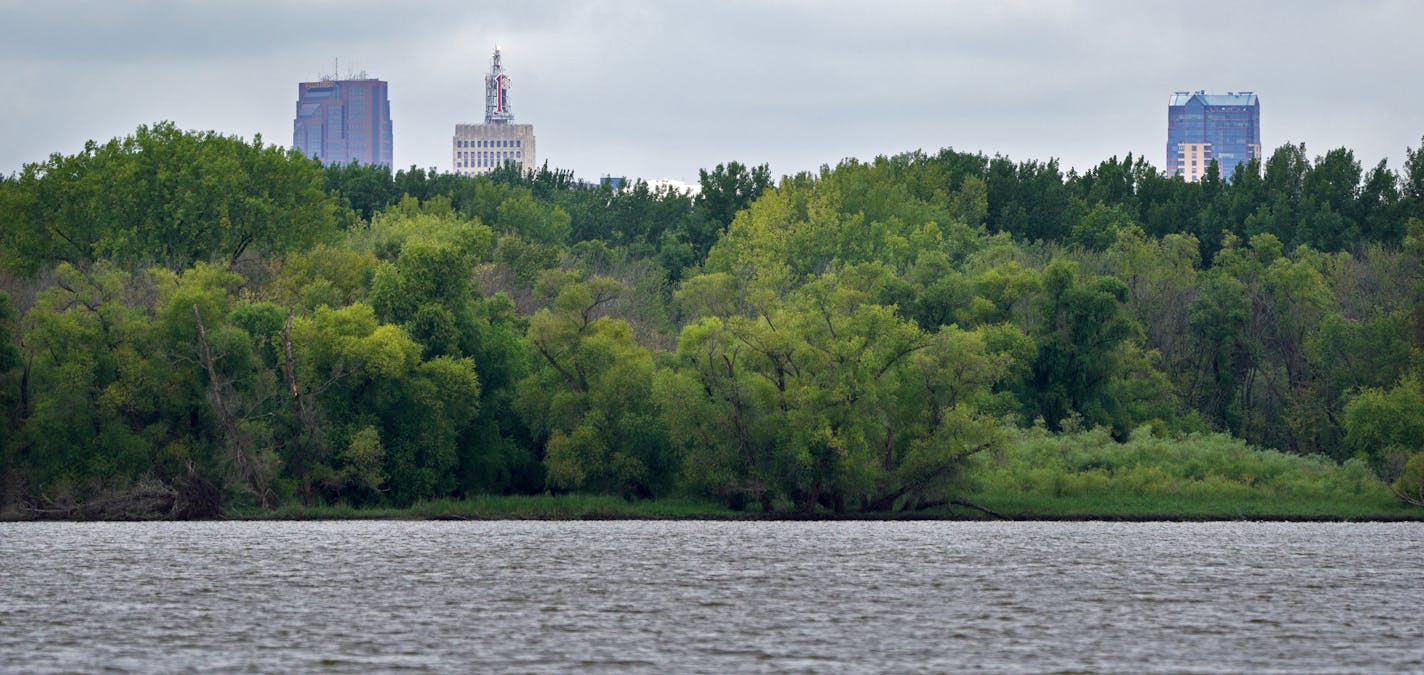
(1202, 127)
(342, 121)
(481, 148)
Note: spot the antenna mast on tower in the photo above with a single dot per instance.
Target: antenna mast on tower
(497, 110)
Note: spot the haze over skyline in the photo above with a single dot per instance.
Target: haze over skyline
(662, 89)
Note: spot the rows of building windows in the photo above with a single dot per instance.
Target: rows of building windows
(482, 162)
(489, 144)
(1199, 156)
(485, 155)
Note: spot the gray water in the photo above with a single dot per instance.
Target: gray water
(712, 597)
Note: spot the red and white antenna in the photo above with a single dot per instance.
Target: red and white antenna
(497, 110)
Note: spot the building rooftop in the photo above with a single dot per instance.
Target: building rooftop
(1229, 98)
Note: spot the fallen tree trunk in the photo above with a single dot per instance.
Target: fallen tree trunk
(190, 497)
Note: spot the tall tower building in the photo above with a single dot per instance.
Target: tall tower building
(481, 148)
(1202, 127)
(341, 121)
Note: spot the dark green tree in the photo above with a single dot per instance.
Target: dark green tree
(1082, 328)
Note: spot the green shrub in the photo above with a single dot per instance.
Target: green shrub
(1196, 475)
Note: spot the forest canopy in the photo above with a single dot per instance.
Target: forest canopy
(234, 324)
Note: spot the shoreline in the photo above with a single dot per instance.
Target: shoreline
(756, 517)
(986, 506)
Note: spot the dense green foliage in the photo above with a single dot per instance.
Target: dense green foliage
(164, 196)
(234, 325)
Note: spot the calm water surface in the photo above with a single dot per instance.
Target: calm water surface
(712, 597)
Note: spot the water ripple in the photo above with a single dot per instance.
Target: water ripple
(710, 597)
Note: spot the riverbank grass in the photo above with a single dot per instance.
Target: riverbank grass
(1200, 476)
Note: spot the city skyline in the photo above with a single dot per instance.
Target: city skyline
(662, 90)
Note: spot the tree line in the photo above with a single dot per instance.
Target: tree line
(236, 323)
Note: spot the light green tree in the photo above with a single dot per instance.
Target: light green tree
(1386, 426)
(589, 402)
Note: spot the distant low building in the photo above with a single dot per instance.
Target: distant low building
(342, 121)
(1202, 127)
(675, 185)
(481, 148)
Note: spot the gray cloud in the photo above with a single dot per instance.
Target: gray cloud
(661, 89)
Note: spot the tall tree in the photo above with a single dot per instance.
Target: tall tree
(167, 196)
(1083, 326)
(590, 402)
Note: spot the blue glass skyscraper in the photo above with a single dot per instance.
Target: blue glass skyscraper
(1202, 127)
(341, 121)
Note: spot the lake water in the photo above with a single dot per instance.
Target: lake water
(711, 596)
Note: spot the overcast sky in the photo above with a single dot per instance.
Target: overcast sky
(660, 89)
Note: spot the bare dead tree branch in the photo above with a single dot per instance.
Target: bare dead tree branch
(237, 449)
